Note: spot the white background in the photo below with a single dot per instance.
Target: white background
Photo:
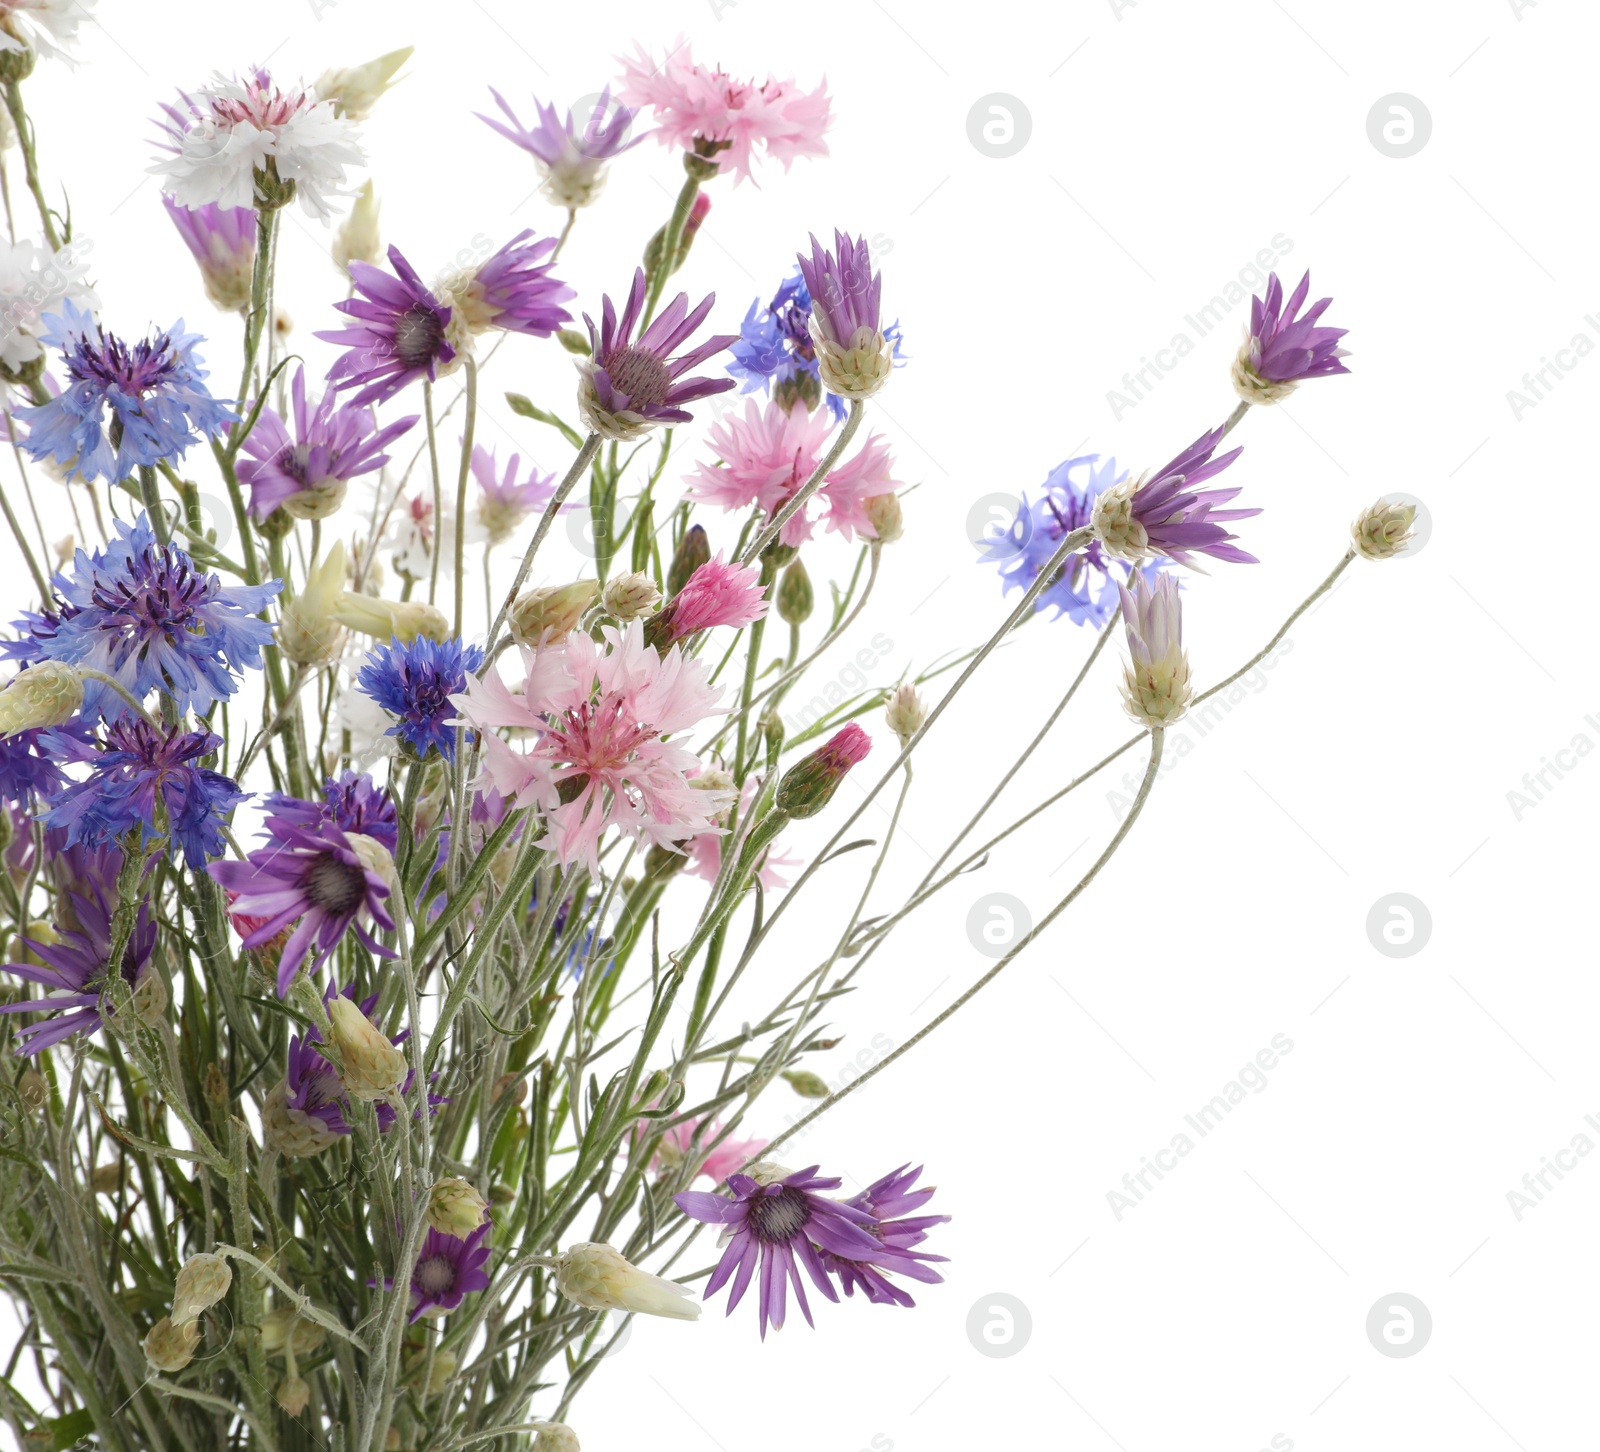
(1169, 144)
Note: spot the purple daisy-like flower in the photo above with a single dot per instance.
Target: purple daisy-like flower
(1163, 513)
(311, 1087)
(513, 290)
(446, 1270)
(504, 501)
(399, 336)
(1085, 588)
(773, 1225)
(77, 967)
(146, 614)
(319, 878)
(854, 357)
(158, 402)
(30, 761)
(222, 241)
(308, 471)
(572, 162)
(626, 388)
(147, 777)
(898, 1232)
(352, 802)
(414, 680)
(1280, 348)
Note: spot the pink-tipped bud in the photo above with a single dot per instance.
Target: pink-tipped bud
(809, 785)
(718, 593)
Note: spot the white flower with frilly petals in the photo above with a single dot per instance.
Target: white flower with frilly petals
(42, 26)
(35, 281)
(228, 134)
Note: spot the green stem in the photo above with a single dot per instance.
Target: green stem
(30, 163)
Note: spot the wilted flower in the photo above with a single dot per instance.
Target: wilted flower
(1162, 513)
(1379, 533)
(808, 786)
(1156, 689)
(599, 1277)
(455, 1207)
(854, 358)
(201, 1283)
(355, 90)
(571, 163)
(48, 693)
(222, 241)
(170, 1346)
(1281, 349)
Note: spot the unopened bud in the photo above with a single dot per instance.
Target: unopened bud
(573, 342)
(555, 1437)
(48, 693)
(170, 1346)
(883, 514)
(694, 550)
(456, 1208)
(599, 1277)
(905, 712)
(514, 1083)
(629, 597)
(371, 1067)
(106, 1179)
(551, 613)
(279, 1326)
(355, 90)
(1156, 687)
(795, 597)
(806, 1084)
(402, 620)
(294, 1395)
(1384, 530)
(309, 631)
(64, 549)
(358, 238)
(856, 368)
(203, 1281)
(809, 785)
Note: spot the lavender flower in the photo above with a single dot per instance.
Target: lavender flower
(159, 404)
(889, 1200)
(571, 163)
(414, 680)
(776, 1222)
(353, 803)
(628, 387)
(77, 968)
(854, 359)
(513, 290)
(447, 1269)
(144, 613)
(30, 761)
(1156, 687)
(1281, 349)
(1162, 513)
(223, 242)
(400, 333)
(505, 501)
(308, 472)
(147, 778)
(325, 878)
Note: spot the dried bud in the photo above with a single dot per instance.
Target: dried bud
(401, 620)
(795, 598)
(106, 1179)
(905, 712)
(48, 693)
(358, 239)
(171, 1347)
(1156, 688)
(309, 632)
(809, 785)
(355, 90)
(630, 597)
(694, 550)
(34, 1089)
(551, 613)
(294, 1395)
(806, 1084)
(203, 1281)
(515, 1083)
(883, 514)
(597, 1276)
(555, 1437)
(1384, 530)
(456, 1208)
(371, 1066)
(277, 1327)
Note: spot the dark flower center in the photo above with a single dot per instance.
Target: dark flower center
(417, 336)
(642, 377)
(154, 595)
(112, 364)
(437, 1275)
(334, 885)
(778, 1217)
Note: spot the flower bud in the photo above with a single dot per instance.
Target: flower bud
(309, 632)
(905, 712)
(203, 1281)
(358, 239)
(371, 1067)
(573, 341)
(169, 1346)
(515, 1083)
(294, 1395)
(597, 1276)
(802, 387)
(694, 550)
(48, 693)
(628, 597)
(556, 1437)
(551, 613)
(1251, 385)
(809, 785)
(1384, 530)
(884, 515)
(857, 368)
(1156, 688)
(355, 90)
(795, 597)
(375, 857)
(279, 1326)
(806, 1084)
(402, 620)
(106, 1179)
(34, 1089)
(444, 1367)
(456, 1208)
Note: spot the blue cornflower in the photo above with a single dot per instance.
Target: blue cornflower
(146, 614)
(352, 802)
(774, 350)
(414, 681)
(1085, 589)
(159, 405)
(148, 778)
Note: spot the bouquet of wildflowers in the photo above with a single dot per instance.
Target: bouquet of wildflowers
(372, 942)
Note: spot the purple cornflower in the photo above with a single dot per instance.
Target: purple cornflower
(30, 761)
(1162, 513)
(147, 777)
(77, 967)
(159, 405)
(446, 1270)
(628, 387)
(506, 501)
(144, 613)
(308, 471)
(773, 1226)
(889, 1201)
(223, 242)
(1085, 588)
(323, 877)
(400, 333)
(1281, 349)
(352, 802)
(572, 163)
(414, 680)
(513, 290)
(854, 358)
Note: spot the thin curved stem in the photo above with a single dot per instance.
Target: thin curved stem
(798, 500)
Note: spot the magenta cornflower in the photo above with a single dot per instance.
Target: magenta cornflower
(401, 332)
(718, 593)
(1280, 348)
(808, 786)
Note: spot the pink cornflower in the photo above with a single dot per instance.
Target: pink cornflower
(721, 119)
(721, 1162)
(718, 593)
(601, 711)
(767, 453)
(505, 501)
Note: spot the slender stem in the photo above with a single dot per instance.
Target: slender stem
(30, 162)
(1234, 417)
(798, 500)
(39, 580)
(260, 305)
(438, 493)
(461, 487)
(669, 246)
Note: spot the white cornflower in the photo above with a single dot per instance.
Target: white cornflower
(34, 281)
(44, 27)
